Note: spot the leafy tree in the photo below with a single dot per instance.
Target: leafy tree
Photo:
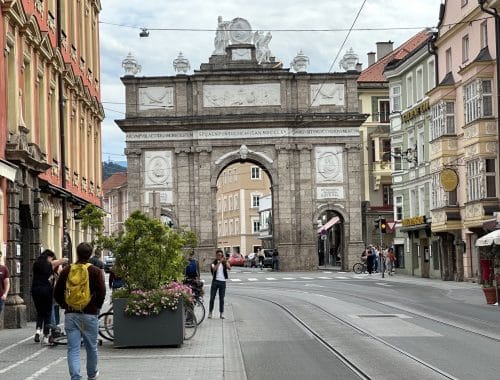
(93, 217)
(150, 254)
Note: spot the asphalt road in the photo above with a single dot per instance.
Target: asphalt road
(317, 325)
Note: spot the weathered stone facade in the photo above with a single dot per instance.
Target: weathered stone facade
(301, 128)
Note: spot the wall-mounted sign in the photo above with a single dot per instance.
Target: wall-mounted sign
(416, 111)
(416, 220)
(449, 179)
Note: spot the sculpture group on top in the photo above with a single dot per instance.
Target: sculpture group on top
(239, 31)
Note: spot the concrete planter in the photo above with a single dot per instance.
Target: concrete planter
(165, 329)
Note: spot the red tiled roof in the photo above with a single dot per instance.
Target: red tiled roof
(116, 180)
(375, 72)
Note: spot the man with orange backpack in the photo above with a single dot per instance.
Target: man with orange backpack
(80, 290)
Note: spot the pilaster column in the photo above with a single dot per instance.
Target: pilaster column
(207, 209)
(15, 306)
(134, 185)
(183, 188)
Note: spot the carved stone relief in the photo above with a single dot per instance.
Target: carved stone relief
(327, 94)
(156, 98)
(252, 95)
(158, 169)
(329, 164)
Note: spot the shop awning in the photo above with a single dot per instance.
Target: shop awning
(328, 224)
(489, 239)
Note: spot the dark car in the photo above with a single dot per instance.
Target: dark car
(268, 260)
(109, 261)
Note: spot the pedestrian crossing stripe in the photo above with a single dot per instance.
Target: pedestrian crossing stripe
(288, 278)
(307, 278)
(235, 280)
(325, 278)
(270, 278)
(253, 279)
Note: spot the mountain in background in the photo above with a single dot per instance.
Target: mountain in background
(109, 168)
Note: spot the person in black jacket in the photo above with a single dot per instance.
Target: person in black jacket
(82, 324)
(42, 290)
(219, 269)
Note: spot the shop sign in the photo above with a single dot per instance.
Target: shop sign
(416, 220)
(449, 179)
(416, 111)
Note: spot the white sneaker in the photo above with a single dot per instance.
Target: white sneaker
(95, 377)
(45, 339)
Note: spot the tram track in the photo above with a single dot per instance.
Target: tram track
(412, 312)
(336, 352)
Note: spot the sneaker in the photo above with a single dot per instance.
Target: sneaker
(95, 377)
(209, 315)
(45, 339)
(37, 335)
(222, 316)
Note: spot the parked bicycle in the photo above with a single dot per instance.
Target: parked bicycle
(198, 306)
(106, 324)
(359, 268)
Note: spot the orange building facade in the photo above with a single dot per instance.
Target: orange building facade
(50, 134)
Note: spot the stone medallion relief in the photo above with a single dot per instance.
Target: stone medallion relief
(151, 98)
(267, 94)
(158, 169)
(327, 94)
(329, 171)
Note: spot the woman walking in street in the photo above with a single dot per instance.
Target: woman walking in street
(42, 290)
(219, 270)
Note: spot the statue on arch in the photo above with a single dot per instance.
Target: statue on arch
(221, 36)
(261, 42)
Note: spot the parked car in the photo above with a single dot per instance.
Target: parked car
(268, 260)
(251, 261)
(236, 260)
(109, 261)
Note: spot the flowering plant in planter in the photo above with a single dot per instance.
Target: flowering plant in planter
(150, 260)
(151, 302)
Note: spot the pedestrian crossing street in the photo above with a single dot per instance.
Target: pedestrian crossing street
(268, 277)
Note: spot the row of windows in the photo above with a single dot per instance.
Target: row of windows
(231, 227)
(233, 202)
(231, 175)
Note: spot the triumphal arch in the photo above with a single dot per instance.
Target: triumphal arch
(301, 128)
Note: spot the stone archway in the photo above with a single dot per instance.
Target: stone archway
(303, 130)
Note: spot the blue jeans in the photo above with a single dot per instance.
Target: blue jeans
(81, 326)
(221, 287)
(2, 302)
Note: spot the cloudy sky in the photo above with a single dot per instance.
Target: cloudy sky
(175, 26)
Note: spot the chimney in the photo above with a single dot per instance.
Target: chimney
(371, 58)
(383, 48)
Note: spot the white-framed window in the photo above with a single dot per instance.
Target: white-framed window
(491, 181)
(478, 100)
(413, 203)
(397, 162)
(484, 33)
(398, 207)
(419, 83)
(383, 111)
(219, 231)
(255, 225)
(395, 95)
(431, 73)
(442, 119)
(255, 200)
(448, 60)
(465, 48)
(411, 145)
(237, 226)
(474, 188)
(231, 230)
(230, 202)
(218, 205)
(409, 90)
(419, 158)
(225, 228)
(236, 202)
(421, 200)
(255, 172)
(225, 204)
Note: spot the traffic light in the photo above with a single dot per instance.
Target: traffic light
(376, 223)
(383, 226)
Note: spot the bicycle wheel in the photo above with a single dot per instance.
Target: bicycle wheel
(106, 325)
(358, 268)
(199, 310)
(58, 340)
(190, 324)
